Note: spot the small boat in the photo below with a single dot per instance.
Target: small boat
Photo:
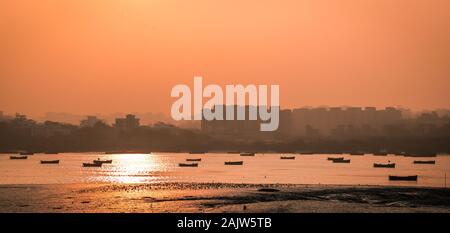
(341, 161)
(387, 165)
(193, 160)
(92, 164)
(424, 162)
(26, 153)
(333, 158)
(49, 161)
(188, 164)
(287, 157)
(247, 154)
(18, 157)
(403, 178)
(234, 162)
(102, 161)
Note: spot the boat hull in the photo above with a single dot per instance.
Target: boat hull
(234, 163)
(188, 164)
(49, 161)
(403, 178)
(380, 165)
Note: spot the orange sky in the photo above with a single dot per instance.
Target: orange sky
(92, 56)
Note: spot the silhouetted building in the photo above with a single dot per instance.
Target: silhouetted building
(237, 129)
(128, 123)
(50, 128)
(310, 122)
(90, 121)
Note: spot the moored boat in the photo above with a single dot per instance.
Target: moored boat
(247, 154)
(18, 157)
(341, 161)
(49, 161)
(102, 161)
(92, 164)
(287, 157)
(188, 164)
(335, 158)
(424, 162)
(193, 160)
(403, 178)
(387, 165)
(234, 162)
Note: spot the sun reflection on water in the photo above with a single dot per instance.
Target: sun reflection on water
(133, 168)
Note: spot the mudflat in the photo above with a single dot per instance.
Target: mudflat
(220, 197)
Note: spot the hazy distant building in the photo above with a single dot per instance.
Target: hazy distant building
(50, 128)
(310, 122)
(328, 121)
(237, 129)
(128, 123)
(90, 121)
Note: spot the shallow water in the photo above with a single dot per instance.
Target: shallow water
(262, 168)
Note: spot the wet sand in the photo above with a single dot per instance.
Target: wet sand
(215, 197)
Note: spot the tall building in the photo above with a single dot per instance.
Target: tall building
(309, 122)
(128, 123)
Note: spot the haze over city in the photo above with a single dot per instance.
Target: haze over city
(88, 57)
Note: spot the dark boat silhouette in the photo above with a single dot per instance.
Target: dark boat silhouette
(334, 158)
(341, 161)
(188, 164)
(247, 154)
(234, 162)
(287, 157)
(193, 160)
(92, 164)
(18, 157)
(403, 178)
(424, 162)
(387, 165)
(102, 161)
(49, 161)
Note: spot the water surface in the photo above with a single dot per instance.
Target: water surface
(262, 168)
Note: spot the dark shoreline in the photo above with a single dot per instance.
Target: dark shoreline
(221, 197)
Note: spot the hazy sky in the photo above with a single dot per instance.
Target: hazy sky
(92, 56)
